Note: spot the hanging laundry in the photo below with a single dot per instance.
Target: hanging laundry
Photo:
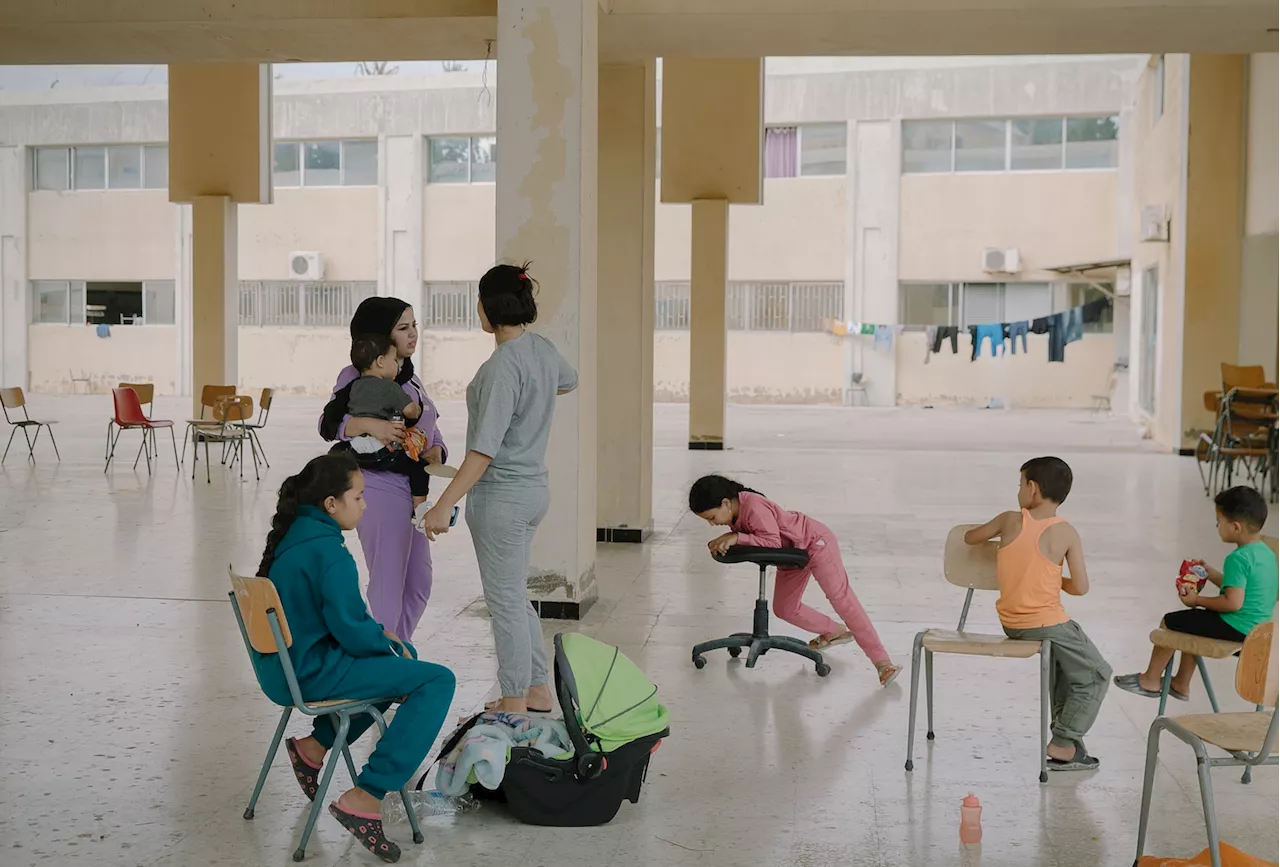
(1014, 330)
(868, 328)
(1057, 325)
(1075, 324)
(1092, 312)
(884, 336)
(1041, 325)
(946, 332)
(930, 337)
(979, 333)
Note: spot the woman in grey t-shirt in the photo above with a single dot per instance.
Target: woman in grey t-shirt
(510, 404)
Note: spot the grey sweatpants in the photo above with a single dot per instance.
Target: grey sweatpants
(1078, 679)
(502, 519)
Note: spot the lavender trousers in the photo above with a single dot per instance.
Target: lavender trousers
(398, 556)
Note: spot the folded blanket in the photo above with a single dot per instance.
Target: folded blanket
(481, 756)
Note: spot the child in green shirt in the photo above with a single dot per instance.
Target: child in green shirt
(1247, 596)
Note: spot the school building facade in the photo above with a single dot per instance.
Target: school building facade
(916, 192)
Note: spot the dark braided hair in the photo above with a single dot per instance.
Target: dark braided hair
(328, 475)
(709, 492)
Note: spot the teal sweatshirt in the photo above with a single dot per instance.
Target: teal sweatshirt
(319, 586)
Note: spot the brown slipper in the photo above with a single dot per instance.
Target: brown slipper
(307, 774)
(822, 642)
(367, 828)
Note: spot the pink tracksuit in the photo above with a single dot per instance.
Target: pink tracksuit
(762, 523)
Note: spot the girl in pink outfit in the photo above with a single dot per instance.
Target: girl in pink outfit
(758, 522)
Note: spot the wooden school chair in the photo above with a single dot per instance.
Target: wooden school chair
(231, 415)
(209, 397)
(265, 629)
(1248, 736)
(264, 412)
(974, 568)
(13, 399)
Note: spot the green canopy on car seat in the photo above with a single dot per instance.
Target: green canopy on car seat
(615, 702)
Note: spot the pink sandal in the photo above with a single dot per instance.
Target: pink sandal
(833, 639)
(888, 673)
(307, 774)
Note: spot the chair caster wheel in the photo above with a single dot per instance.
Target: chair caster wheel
(1044, 776)
(735, 652)
(929, 736)
(699, 662)
(418, 838)
(248, 814)
(299, 854)
(822, 669)
(911, 766)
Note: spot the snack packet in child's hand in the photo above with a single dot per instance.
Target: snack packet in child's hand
(1191, 576)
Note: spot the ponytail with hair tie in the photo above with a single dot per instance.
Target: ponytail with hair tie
(506, 294)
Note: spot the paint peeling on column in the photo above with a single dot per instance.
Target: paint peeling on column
(551, 82)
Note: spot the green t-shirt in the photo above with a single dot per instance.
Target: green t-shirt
(1252, 567)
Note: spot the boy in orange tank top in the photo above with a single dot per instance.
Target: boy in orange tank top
(1034, 543)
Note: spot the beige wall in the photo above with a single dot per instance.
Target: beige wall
(762, 367)
(1052, 218)
(1260, 276)
(1263, 166)
(339, 222)
(1158, 180)
(798, 234)
(457, 231)
(138, 353)
(126, 235)
(1023, 380)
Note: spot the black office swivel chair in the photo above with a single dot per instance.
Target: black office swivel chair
(759, 641)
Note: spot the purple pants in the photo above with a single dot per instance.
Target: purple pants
(398, 556)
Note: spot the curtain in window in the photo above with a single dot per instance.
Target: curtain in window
(780, 152)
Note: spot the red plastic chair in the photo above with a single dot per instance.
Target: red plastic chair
(129, 416)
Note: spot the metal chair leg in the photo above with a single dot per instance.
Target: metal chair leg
(207, 478)
(928, 690)
(54, 441)
(266, 763)
(1206, 800)
(111, 450)
(173, 440)
(915, 696)
(31, 444)
(339, 746)
(1208, 686)
(1046, 676)
(1164, 685)
(1148, 782)
(404, 792)
(261, 449)
(12, 431)
(141, 448)
(351, 766)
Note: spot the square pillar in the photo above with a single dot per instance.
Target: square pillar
(708, 332)
(546, 210)
(624, 447)
(215, 295)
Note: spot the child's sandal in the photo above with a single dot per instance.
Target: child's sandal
(306, 773)
(822, 642)
(367, 828)
(888, 673)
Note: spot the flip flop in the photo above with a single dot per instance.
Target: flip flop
(822, 642)
(1130, 683)
(1081, 761)
(367, 828)
(305, 772)
(492, 705)
(888, 673)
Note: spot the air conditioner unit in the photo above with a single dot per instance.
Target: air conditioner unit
(1124, 282)
(306, 265)
(1155, 223)
(999, 260)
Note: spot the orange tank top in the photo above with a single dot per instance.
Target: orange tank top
(1030, 585)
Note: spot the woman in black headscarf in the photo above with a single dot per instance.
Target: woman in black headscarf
(398, 556)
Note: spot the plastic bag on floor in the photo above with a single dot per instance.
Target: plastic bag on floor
(1231, 857)
(425, 805)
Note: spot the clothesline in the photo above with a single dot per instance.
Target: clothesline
(1062, 328)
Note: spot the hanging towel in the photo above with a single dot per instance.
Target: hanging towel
(868, 328)
(1014, 330)
(979, 333)
(1075, 324)
(884, 336)
(1057, 337)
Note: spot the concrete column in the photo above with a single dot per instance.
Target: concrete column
(215, 292)
(546, 207)
(15, 294)
(624, 447)
(708, 333)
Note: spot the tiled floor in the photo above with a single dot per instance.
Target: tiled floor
(131, 727)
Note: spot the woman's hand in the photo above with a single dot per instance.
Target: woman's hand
(722, 544)
(386, 432)
(436, 521)
(433, 455)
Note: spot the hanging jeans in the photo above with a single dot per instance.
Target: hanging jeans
(1075, 324)
(1057, 337)
(979, 333)
(1016, 329)
(946, 332)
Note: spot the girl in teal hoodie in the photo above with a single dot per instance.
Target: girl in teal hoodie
(339, 651)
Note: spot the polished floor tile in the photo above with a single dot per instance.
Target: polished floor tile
(131, 727)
